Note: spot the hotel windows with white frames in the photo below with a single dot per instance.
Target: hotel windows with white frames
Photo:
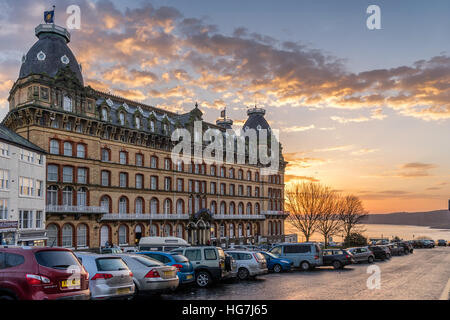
(4, 149)
(26, 187)
(4, 179)
(3, 209)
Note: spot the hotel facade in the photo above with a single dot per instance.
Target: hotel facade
(109, 174)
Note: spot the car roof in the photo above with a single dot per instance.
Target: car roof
(31, 248)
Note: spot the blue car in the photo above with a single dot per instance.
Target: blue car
(276, 264)
(185, 269)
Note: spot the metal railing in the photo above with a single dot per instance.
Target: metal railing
(146, 216)
(273, 212)
(76, 209)
(239, 216)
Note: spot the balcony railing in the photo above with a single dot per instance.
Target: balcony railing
(277, 213)
(76, 209)
(147, 216)
(239, 216)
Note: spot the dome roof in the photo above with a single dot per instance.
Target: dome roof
(50, 53)
(256, 119)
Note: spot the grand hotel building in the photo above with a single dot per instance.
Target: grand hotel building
(109, 172)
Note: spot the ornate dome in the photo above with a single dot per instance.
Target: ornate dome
(50, 53)
(256, 119)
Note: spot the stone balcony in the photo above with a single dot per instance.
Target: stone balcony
(75, 209)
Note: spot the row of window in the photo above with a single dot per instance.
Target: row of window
(137, 121)
(30, 219)
(69, 196)
(53, 174)
(68, 148)
(25, 155)
(29, 187)
(274, 193)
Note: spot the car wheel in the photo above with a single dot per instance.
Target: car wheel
(277, 268)
(304, 266)
(203, 279)
(243, 274)
(337, 264)
(370, 260)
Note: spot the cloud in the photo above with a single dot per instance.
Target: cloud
(295, 178)
(364, 151)
(298, 128)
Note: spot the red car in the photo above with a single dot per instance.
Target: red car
(41, 273)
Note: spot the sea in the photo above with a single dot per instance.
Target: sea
(384, 231)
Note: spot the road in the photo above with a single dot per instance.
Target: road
(422, 275)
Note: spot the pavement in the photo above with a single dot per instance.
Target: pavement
(423, 275)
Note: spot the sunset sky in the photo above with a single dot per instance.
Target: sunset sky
(363, 111)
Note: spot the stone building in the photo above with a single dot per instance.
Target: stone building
(109, 171)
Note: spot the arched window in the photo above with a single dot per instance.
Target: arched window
(67, 236)
(223, 208)
(231, 230)
(82, 236)
(122, 118)
(180, 206)
(104, 114)
(104, 235)
(241, 208)
(138, 232)
(67, 199)
(232, 208)
(153, 230)
(105, 202)
(257, 208)
(180, 231)
(197, 204)
(256, 176)
(154, 204)
(240, 231)
(123, 205)
(222, 230)
(52, 196)
(54, 146)
(249, 208)
(82, 197)
(81, 151)
(269, 228)
(213, 207)
(68, 149)
(167, 230)
(167, 206)
(152, 126)
(240, 174)
(139, 206)
(123, 235)
(249, 229)
(52, 234)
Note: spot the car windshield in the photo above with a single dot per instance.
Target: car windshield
(56, 259)
(180, 258)
(270, 255)
(148, 262)
(110, 264)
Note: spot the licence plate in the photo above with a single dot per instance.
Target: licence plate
(168, 274)
(123, 290)
(70, 283)
(189, 276)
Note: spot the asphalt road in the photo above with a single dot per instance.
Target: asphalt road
(422, 275)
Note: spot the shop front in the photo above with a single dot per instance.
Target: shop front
(8, 232)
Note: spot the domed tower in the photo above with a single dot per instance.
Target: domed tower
(256, 120)
(50, 54)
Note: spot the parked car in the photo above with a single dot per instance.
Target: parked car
(305, 255)
(249, 263)
(276, 264)
(417, 244)
(396, 250)
(209, 264)
(150, 275)
(41, 273)
(110, 276)
(380, 252)
(110, 250)
(362, 254)
(162, 243)
(337, 258)
(185, 270)
(407, 246)
(428, 243)
(441, 243)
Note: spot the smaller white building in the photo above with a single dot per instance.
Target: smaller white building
(22, 191)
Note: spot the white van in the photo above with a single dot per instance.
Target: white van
(161, 243)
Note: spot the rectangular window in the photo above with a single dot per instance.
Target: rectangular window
(190, 185)
(38, 219)
(138, 181)
(167, 184)
(139, 160)
(167, 164)
(25, 219)
(4, 149)
(213, 188)
(4, 179)
(52, 173)
(39, 186)
(197, 186)
(39, 159)
(179, 185)
(222, 188)
(68, 174)
(82, 175)
(123, 157)
(249, 191)
(123, 180)
(153, 183)
(3, 209)
(105, 178)
(68, 149)
(154, 163)
(26, 187)
(105, 155)
(81, 151)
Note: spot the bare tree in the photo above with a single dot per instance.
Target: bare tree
(306, 202)
(329, 223)
(351, 214)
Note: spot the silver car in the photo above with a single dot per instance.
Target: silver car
(362, 254)
(150, 275)
(109, 276)
(249, 264)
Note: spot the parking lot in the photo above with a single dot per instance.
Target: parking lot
(422, 275)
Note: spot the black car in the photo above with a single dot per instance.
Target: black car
(337, 258)
(406, 246)
(379, 252)
(441, 243)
